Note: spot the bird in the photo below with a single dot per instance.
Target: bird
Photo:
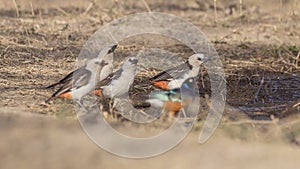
(82, 80)
(117, 84)
(171, 101)
(174, 77)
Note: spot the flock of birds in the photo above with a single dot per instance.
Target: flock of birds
(97, 77)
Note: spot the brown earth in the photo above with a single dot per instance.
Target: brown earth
(259, 48)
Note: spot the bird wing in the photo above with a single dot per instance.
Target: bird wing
(81, 78)
(109, 78)
(117, 74)
(174, 72)
(67, 79)
(63, 89)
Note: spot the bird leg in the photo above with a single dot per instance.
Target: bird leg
(79, 102)
(111, 108)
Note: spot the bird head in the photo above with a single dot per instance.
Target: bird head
(196, 59)
(130, 62)
(107, 50)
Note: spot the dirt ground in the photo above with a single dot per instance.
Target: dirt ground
(258, 43)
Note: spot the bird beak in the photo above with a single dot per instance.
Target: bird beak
(112, 49)
(134, 61)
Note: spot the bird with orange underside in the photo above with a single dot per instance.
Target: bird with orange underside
(83, 80)
(174, 77)
(171, 101)
(117, 84)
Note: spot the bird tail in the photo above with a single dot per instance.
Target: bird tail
(52, 85)
(49, 99)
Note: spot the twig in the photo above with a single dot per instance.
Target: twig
(40, 16)
(119, 6)
(297, 60)
(241, 7)
(88, 8)
(17, 8)
(295, 6)
(295, 105)
(114, 39)
(147, 6)
(215, 10)
(281, 10)
(250, 122)
(32, 10)
(62, 11)
(259, 88)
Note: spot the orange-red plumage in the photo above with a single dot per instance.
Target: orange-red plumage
(97, 92)
(174, 107)
(67, 95)
(161, 84)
